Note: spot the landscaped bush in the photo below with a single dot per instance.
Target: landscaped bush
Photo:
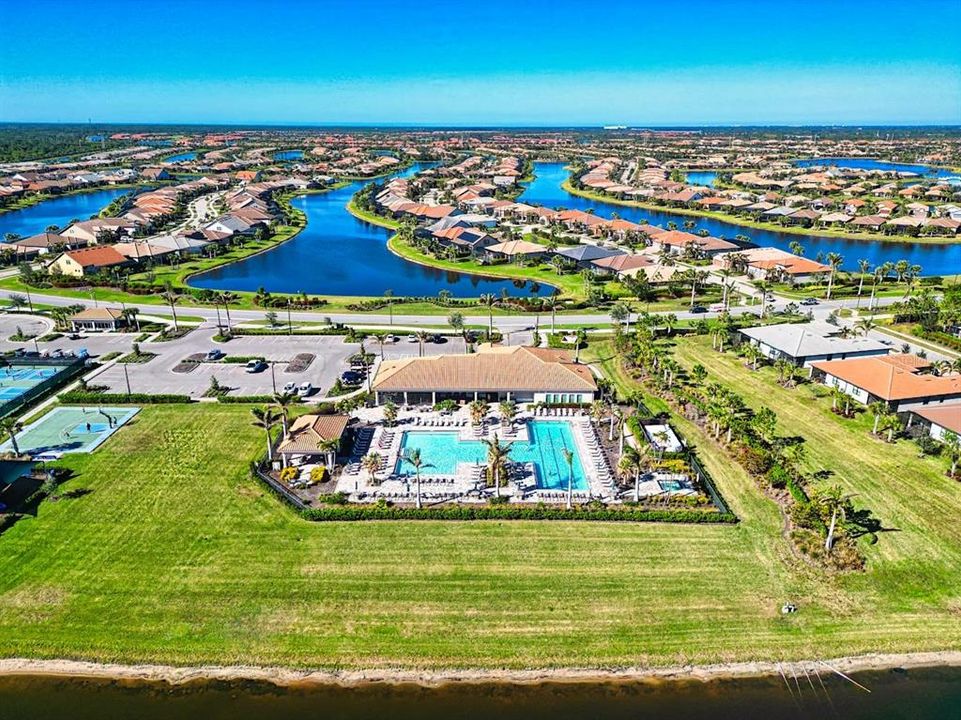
(289, 474)
(382, 511)
(319, 474)
(258, 399)
(79, 397)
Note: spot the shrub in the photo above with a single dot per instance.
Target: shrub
(78, 397)
(319, 474)
(778, 477)
(383, 511)
(289, 474)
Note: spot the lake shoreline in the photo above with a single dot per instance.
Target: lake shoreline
(292, 677)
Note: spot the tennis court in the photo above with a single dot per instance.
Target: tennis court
(15, 380)
(70, 430)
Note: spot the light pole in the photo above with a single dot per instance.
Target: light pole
(290, 327)
(273, 378)
(29, 299)
(126, 377)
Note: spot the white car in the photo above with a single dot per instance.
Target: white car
(255, 366)
(305, 389)
(412, 337)
(390, 338)
(290, 387)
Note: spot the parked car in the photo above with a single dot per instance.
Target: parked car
(810, 301)
(718, 307)
(438, 338)
(305, 389)
(390, 338)
(698, 309)
(290, 387)
(255, 366)
(81, 353)
(213, 354)
(412, 337)
(351, 377)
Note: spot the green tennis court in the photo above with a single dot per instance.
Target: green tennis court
(70, 430)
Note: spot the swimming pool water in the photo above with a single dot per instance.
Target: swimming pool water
(442, 451)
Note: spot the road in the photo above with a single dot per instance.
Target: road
(504, 323)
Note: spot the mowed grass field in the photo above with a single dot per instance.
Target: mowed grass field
(175, 556)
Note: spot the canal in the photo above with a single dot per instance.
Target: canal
(934, 259)
(337, 254)
(57, 211)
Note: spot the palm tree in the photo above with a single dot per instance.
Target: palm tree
(390, 413)
(633, 463)
(489, 300)
(835, 503)
(865, 325)
(952, 443)
(753, 353)
(580, 338)
(371, 463)
(669, 321)
(834, 261)
(329, 448)
(497, 456)
(478, 411)
(569, 459)
(552, 304)
(225, 298)
(11, 426)
(422, 337)
(282, 402)
(389, 294)
(170, 295)
(131, 315)
(890, 423)
(508, 410)
(416, 461)
(796, 248)
(878, 410)
(864, 268)
(266, 419)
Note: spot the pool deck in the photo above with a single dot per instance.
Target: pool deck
(467, 483)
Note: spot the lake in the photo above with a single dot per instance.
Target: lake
(289, 155)
(927, 171)
(700, 177)
(934, 259)
(337, 254)
(182, 157)
(57, 211)
(930, 694)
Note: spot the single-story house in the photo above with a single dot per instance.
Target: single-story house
(940, 419)
(100, 319)
(899, 381)
(805, 343)
(515, 249)
(585, 255)
(493, 373)
(86, 261)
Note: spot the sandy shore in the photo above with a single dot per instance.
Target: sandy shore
(283, 677)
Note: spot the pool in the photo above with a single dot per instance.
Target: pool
(443, 451)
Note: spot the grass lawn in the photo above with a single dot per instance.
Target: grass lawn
(914, 570)
(176, 556)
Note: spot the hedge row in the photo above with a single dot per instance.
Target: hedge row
(938, 336)
(79, 397)
(510, 512)
(261, 399)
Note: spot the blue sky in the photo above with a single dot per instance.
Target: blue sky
(486, 62)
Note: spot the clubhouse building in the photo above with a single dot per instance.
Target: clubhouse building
(806, 343)
(492, 374)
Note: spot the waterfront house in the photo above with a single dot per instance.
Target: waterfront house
(513, 249)
(493, 373)
(585, 255)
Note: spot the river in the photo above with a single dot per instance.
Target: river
(57, 211)
(934, 259)
(930, 694)
(337, 254)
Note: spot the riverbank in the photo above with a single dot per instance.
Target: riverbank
(755, 225)
(289, 677)
(32, 200)
(571, 285)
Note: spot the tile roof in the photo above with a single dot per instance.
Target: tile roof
(892, 377)
(308, 431)
(506, 369)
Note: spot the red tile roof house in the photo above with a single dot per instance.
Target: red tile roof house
(899, 381)
(939, 419)
(81, 263)
(677, 241)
